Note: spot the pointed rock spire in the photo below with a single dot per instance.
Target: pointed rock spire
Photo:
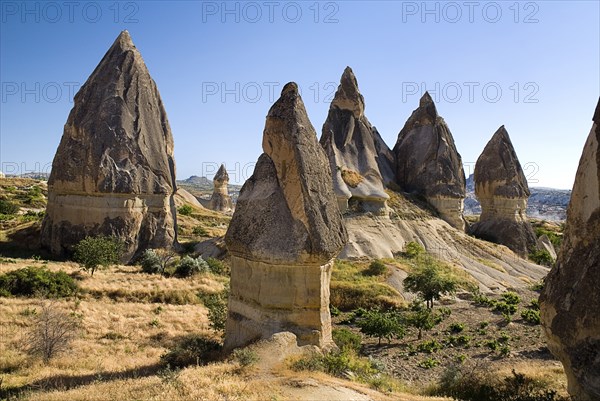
(428, 164)
(356, 151)
(222, 174)
(220, 199)
(114, 172)
(502, 190)
(570, 300)
(284, 234)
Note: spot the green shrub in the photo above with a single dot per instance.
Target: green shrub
(430, 281)
(456, 327)
(554, 238)
(185, 210)
(199, 230)
(217, 266)
(93, 252)
(345, 338)
(381, 324)
(531, 316)
(192, 350)
(428, 363)
(420, 317)
(34, 281)
(217, 309)
(505, 309)
(541, 257)
(511, 298)
(151, 262)
(189, 266)
(429, 347)
(413, 250)
(245, 357)
(8, 207)
(376, 268)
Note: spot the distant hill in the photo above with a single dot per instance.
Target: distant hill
(202, 187)
(544, 203)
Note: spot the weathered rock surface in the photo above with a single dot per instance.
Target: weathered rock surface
(502, 190)
(220, 199)
(183, 197)
(570, 300)
(544, 244)
(355, 150)
(284, 234)
(428, 164)
(114, 172)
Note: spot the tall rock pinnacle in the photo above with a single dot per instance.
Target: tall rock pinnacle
(502, 190)
(284, 234)
(355, 150)
(428, 164)
(220, 199)
(114, 172)
(570, 300)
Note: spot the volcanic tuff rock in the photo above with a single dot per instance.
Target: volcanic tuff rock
(353, 150)
(220, 200)
(570, 300)
(502, 190)
(428, 164)
(284, 234)
(114, 172)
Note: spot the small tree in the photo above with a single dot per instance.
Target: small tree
(155, 261)
(217, 309)
(429, 280)
(92, 252)
(380, 324)
(189, 266)
(51, 333)
(421, 318)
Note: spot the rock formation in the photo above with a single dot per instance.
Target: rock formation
(544, 244)
(220, 200)
(114, 172)
(502, 190)
(353, 147)
(570, 300)
(428, 164)
(284, 235)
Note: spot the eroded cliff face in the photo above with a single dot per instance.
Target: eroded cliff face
(428, 164)
(284, 235)
(502, 190)
(114, 172)
(355, 151)
(570, 300)
(220, 199)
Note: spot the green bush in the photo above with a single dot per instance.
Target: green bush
(34, 281)
(245, 357)
(185, 210)
(345, 338)
(93, 252)
(8, 207)
(217, 309)
(456, 327)
(413, 250)
(430, 281)
(552, 236)
(429, 346)
(511, 298)
(541, 257)
(216, 266)
(376, 268)
(420, 317)
(151, 262)
(192, 350)
(199, 230)
(381, 324)
(428, 363)
(531, 316)
(504, 308)
(189, 266)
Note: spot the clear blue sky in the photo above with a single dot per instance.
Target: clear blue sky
(220, 66)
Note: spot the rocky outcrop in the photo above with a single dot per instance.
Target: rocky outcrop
(544, 244)
(570, 300)
(114, 172)
(353, 147)
(428, 164)
(284, 235)
(220, 200)
(502, 190)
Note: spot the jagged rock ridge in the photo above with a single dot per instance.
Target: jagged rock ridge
(114, 172)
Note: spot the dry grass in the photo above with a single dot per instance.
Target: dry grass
(351, 178)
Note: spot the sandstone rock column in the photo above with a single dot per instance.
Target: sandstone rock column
(570, 300)
(220, 199)
(114, 172)
(353, 147)
(284, 234)
(502, 190)
(428, 164)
